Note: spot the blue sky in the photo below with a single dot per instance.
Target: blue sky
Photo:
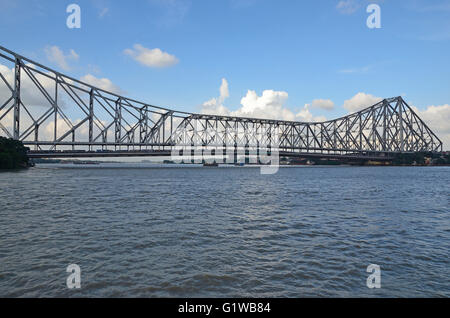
(310, 50)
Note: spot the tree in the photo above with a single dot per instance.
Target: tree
(13, 154)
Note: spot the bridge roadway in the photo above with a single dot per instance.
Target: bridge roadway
(167, 153)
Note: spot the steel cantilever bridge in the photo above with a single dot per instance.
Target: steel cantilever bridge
(59, 116)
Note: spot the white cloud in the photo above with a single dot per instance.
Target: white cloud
(438, 119)
(151, 57)
(326, 104)
(305, 115)
(102, 83)
(215, 105)
(224, 91)
(348, 6)
(30, 94)
(57, 56)
(361, 101)
(270, 105)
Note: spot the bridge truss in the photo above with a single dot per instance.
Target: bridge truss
(56, 115)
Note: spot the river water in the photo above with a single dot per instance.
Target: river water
(153, 231)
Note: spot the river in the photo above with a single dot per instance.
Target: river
(142, 230)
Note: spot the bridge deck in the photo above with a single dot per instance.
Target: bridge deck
(167, 153)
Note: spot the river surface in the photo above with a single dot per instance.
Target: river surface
(152, 231)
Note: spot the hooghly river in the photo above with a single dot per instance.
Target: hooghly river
(154, 231)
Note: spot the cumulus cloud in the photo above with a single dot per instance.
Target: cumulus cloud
(269, 105)
(361, 101)
(30, 94)
(103, 83)
(215, 105)
(326, 104)
(57, 56)
(438, 119)
(305, 115)
(151, 57)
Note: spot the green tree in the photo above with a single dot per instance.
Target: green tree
(13, 154)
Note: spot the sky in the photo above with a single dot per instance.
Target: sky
(293, 60)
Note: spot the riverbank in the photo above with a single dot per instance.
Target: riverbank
(401, 159)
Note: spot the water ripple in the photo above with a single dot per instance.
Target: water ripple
(193, 232)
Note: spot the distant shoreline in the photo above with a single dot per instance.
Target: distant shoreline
(420, 159)
(93, 164)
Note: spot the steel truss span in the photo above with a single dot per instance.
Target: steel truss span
(55, 115)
